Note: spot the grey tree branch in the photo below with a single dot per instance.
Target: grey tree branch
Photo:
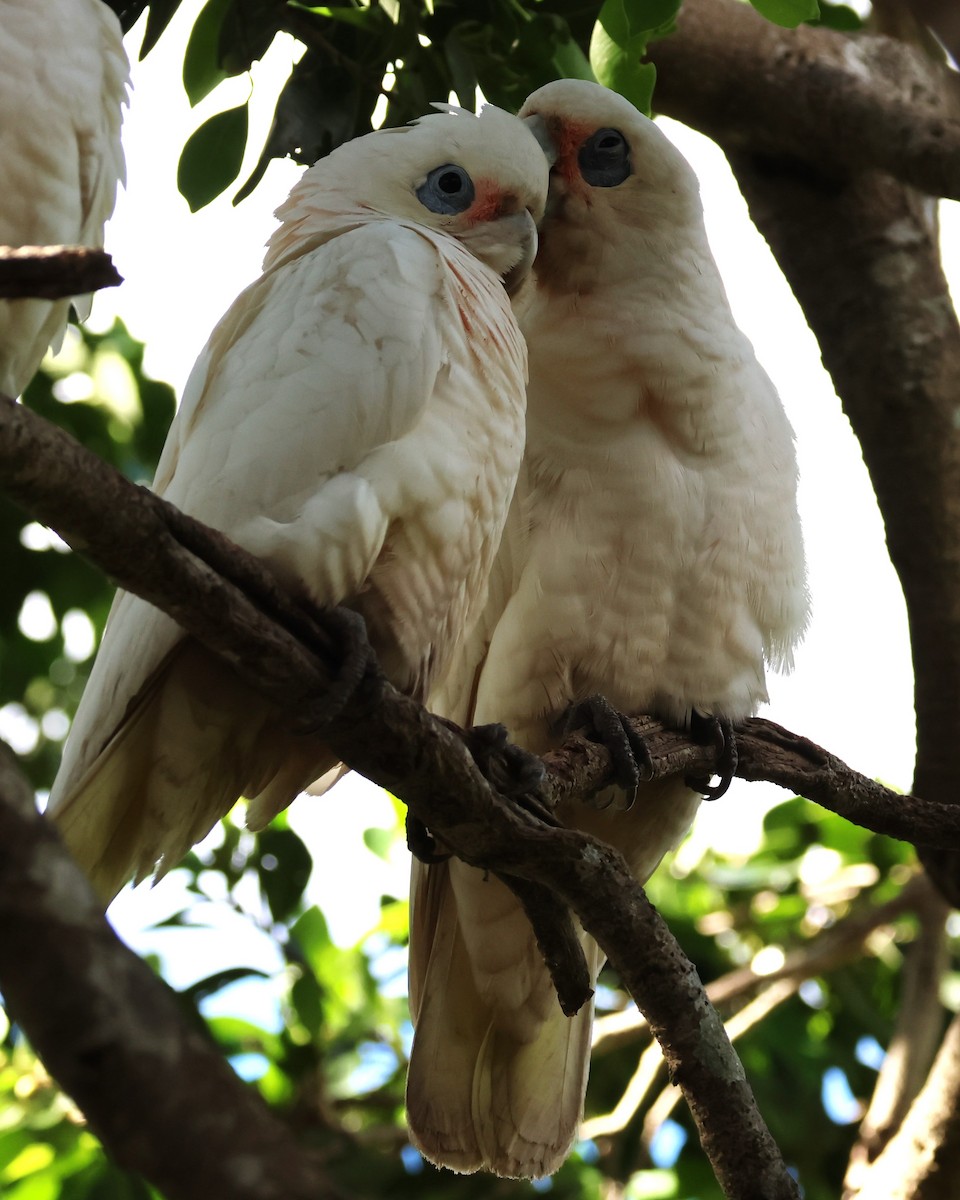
(54, 272)
(400, 746)
(922, 1160)
(914, 1042)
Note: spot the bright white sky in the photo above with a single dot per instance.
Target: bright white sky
(183, 270)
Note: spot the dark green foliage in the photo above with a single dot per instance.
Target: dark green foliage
(127, 428)
(504, 47)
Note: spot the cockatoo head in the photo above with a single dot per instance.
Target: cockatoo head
(616, 176)
(480, 179)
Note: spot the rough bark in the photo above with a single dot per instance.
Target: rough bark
(54, 272)
(922, 1160)
(844, 103)
(913, 1045)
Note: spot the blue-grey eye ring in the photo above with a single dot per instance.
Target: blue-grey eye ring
(447, 189)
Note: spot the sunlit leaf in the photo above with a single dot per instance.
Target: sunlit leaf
(212, 157)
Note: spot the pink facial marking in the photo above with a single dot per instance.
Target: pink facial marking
(487, 203)
(569, 136)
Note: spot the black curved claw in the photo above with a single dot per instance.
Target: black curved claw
(629, 752)
(421, 842)
(717, 732)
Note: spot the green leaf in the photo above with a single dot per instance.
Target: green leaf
(159, 15)
(788, 13)
(571, 62)
(621, 70)
(463, 71)
(247, 30)
(360, 18)
(619, 41)
(379, 841)
(212, 157)
(628, 22)
(202, 68)
(839, 16)
(283, 867)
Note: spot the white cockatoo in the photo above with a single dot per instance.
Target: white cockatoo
(653, 555)
(63, 84)
(357, 420)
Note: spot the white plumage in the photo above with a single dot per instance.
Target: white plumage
(357, 420)
(653, 554)
(63, 82)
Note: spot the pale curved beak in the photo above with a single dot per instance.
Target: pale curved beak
(538, 127)
(527, 238)
(508, 245)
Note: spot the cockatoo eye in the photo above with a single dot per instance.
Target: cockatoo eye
(447, 189)
(604, 158)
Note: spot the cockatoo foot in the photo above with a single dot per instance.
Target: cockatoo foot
(709, 730)
(347, 631)
(632, 763)
(514, 772)
(511, 770)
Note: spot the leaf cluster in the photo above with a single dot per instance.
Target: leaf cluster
(384, 62)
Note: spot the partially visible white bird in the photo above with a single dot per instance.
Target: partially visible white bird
(356, 419)
(63, 83)
(653, 554)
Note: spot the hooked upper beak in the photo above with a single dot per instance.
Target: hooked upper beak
(538, 127)
(528, 241)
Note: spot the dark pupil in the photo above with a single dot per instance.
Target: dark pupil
(610, 142)
(450, 182)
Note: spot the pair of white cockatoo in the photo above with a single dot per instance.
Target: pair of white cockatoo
(593, 491)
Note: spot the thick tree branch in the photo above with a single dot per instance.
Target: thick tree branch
(400, 746)
(54, 272)
(156, 1091)
(922, 1160)
(845, 103)
(912, 1047)
(833, 947)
